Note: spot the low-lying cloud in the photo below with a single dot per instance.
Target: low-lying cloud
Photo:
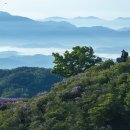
(48, 51)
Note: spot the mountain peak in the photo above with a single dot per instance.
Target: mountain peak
(123, 18)
(5, 16)
(2, 13)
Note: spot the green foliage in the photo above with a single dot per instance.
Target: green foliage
(101, 103)
(26, 82)
(77, 61)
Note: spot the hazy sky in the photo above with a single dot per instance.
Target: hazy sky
(67, 8)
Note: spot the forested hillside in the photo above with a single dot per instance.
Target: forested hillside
(98, 99)
(26, 82)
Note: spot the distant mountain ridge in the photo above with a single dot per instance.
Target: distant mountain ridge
(89, 17)
(119, 22)
(30, 28)
(125, 29)
(11, 59)
(123, 18)
(17, 31)
(4, 16)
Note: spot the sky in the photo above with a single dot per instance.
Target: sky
(38, 9)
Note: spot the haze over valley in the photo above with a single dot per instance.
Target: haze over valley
(39, 38)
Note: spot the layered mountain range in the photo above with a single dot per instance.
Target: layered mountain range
(89, 21)
(57, 32)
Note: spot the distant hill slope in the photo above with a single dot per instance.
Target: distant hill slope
(21, 27)
(17, 31)
(98, 99)
(26, 82)
(9, 60)
(89, 21)
(4, 17)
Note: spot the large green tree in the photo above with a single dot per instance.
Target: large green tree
(74, 62)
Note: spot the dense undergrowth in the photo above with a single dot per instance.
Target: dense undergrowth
(98, 99)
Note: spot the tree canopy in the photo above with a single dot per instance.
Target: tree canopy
(74, 62)
(26, 82)
(98, 99)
